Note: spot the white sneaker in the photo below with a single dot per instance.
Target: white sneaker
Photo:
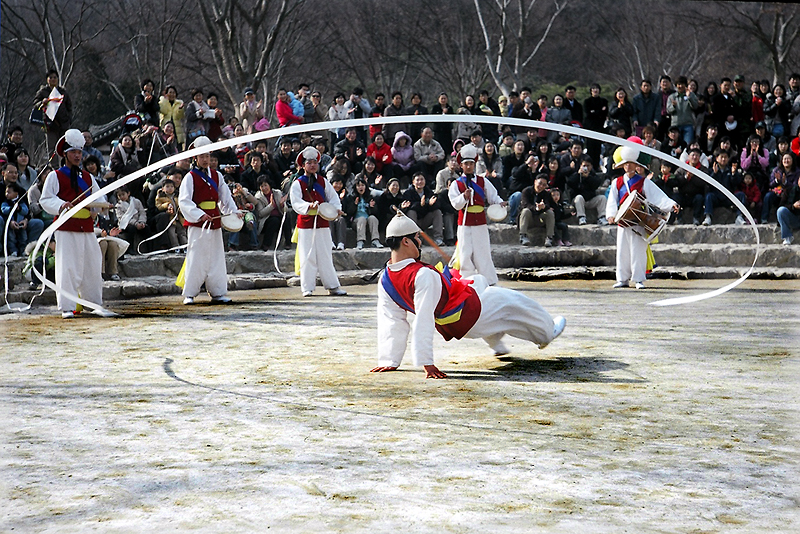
(221, 300)
(740, 220)
(340, 246)
(581, 220)
(115, 278)
(619, 285)
(559, 323)
(188, 300)
(523, 240)
(500, 349)
(602, 221)
(376, 244)
(307, 293)
(68, 315)
(639, 285)
(788, 240)
(337, 292)
(360, 245)
(548, 242)
(707, 221)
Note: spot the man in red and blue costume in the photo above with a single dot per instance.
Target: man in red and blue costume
(456, 307)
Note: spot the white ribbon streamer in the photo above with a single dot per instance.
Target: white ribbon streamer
(403, 119)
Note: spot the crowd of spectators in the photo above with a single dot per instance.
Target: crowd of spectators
(745, 138)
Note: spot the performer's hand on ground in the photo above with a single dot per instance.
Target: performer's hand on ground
(431, 371)
(382, 369)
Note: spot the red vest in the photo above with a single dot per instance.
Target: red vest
(68, 194)
(313, 191)
(635, 183)
(205, 192)
(473, 214)
(459, 306)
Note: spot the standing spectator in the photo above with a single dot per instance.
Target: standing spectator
(395, 109)
(320, 112)
(757, 101)
(283, 110)
(304, 96)
(197, 116)
(793, 96)
(680, 106)
(250, 111)
(443, 131)
(776, 111)
(723, 109)
(145, 103)
(172, 110)
(596, 110)
(377, 111)
(665, 89)
(216, 122)
(337, 112)
(358, 107)
(621, 111)
(706, 101)
(465, 129)
(742, 105)
(646, 107)
(488, 106)
(557, 114)
(575, 108)
(56, 127)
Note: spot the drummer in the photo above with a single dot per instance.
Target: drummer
(471, 195)
(632, 246)
(203, 199)
(311, 194)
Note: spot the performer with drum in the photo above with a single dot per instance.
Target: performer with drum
(639, 224)
(78, 258)
(316, 202)
(203, 199)
(456, 307)
(472, 195)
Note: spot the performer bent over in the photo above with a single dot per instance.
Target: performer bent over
(203, 197)
(454, 306)
(631, 245)
(78, 258)
(470, 195)
(314, 243)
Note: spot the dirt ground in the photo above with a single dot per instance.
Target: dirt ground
(262, 416)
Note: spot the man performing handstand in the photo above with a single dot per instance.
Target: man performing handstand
(455, 307)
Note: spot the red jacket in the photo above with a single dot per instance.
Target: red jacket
(285, 115)
(379, 153)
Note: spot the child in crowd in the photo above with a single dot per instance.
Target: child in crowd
(339, 226)
(18, 229)
(752, 194)
(269, 211)
(246, 202)
(111, 247)
(507, 146)
(363, 208)
(167, 201)
(562, 211)
(132, 218)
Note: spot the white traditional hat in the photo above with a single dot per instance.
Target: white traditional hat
(72, 140)
(467, 153)
(307, 153)
(199, 142)
(400, 226)
(627, 155)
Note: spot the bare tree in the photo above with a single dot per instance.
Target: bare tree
(513, 33)
(775, 26)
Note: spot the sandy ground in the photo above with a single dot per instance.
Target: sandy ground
(262, 416)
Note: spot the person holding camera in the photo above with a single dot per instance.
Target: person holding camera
(146, 104)
(585, 191)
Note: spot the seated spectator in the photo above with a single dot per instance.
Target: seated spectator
(167, 203)
(490, 166)
(14, 143)
(423, 209)
(510, 163)
(429, 155)
(506, 147)
(784, 175)
(339, 226)
(228, 164)
(111, 247)
(370, 174)
(18, 228)
(255, 170)
(89, 150)
(269, 209)
(382, 154)
(781, 148)
(246, 203)
(523, 176)
(285, 160)
(132, 219)
(362, 210)
(92, 166)
(752, 195)
(710, 142)
(755, 159)
(403, 157)
(390, 200)
(649, 140)
(536, 211)
(197, 115)
(569, 163)
(583, 186)
(665, 180)
(789, 212)
(674, 145)
(340, 169)
(124, 159)
(695, 145)
(722, 174)
(555, 178)
(562, 211)
(691, 189)
(768, 141)
(452, 170)
(351, 149)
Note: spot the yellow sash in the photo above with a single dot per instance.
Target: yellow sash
(207, 205)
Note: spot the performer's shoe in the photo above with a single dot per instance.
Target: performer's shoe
(639, 285)
(188, 300)
(221, 300)
(337, 292)
(104, 313)
(307, 293)
(70, 314)
(500, 349)
(620, 284)
(559, 323)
